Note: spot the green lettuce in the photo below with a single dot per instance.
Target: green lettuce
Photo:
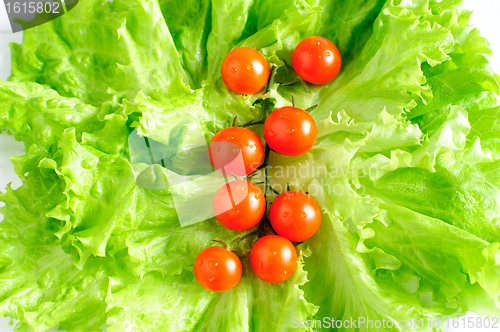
(405, 167)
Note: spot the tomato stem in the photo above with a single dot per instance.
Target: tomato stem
(237, 252)
(293, 81)
(252, 123)
(274, 191)
(289, 67)
(244, 237)
(305, 85)
(264, 225)
(294, 104)
(268, 149)
(296, 79)
(223, 243)
(311, 108)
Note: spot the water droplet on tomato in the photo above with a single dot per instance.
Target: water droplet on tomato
(290, 130)
(236, 150)
(217, 149)
(283, 117)
(200, 263)
(240, 188)
(234, 70)
(287, 197)
(212, 264)
(257, 196)
(232, 213)
(260, 265)
(283, 275)
(286, 214)
(328, 53)
(211, 279)
(271, 253)
(319, 56)
(249, 67)
(303, 214)
(272, 133)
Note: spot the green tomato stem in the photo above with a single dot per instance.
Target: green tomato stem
(267, 149)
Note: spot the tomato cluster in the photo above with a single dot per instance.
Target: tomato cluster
(237, 151)
(315, 59)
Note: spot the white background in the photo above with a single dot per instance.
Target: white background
(486, 18)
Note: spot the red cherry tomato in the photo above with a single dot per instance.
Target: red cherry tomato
(317, 60)
(217, 269)
(273, 259)
(295, 216)
(244, 70)
(290, 131)
(239, 205)
(228, 144)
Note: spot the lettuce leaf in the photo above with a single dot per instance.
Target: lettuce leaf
(41, 287)
(38, 115)
(103, 51)
(179, 303)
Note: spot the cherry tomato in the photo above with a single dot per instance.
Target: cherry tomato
(244, 70)
(317, 60)
(295, 216)
(273, 259)
(290, 131)
(239, 205)
(228, 144)
(217, 269)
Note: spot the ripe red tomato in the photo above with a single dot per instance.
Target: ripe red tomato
(317, 60)
(290, 131)
(295, 216)
(228, 144)
(273, 259)
(217, 269)
(239, 205)
(244, 70)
